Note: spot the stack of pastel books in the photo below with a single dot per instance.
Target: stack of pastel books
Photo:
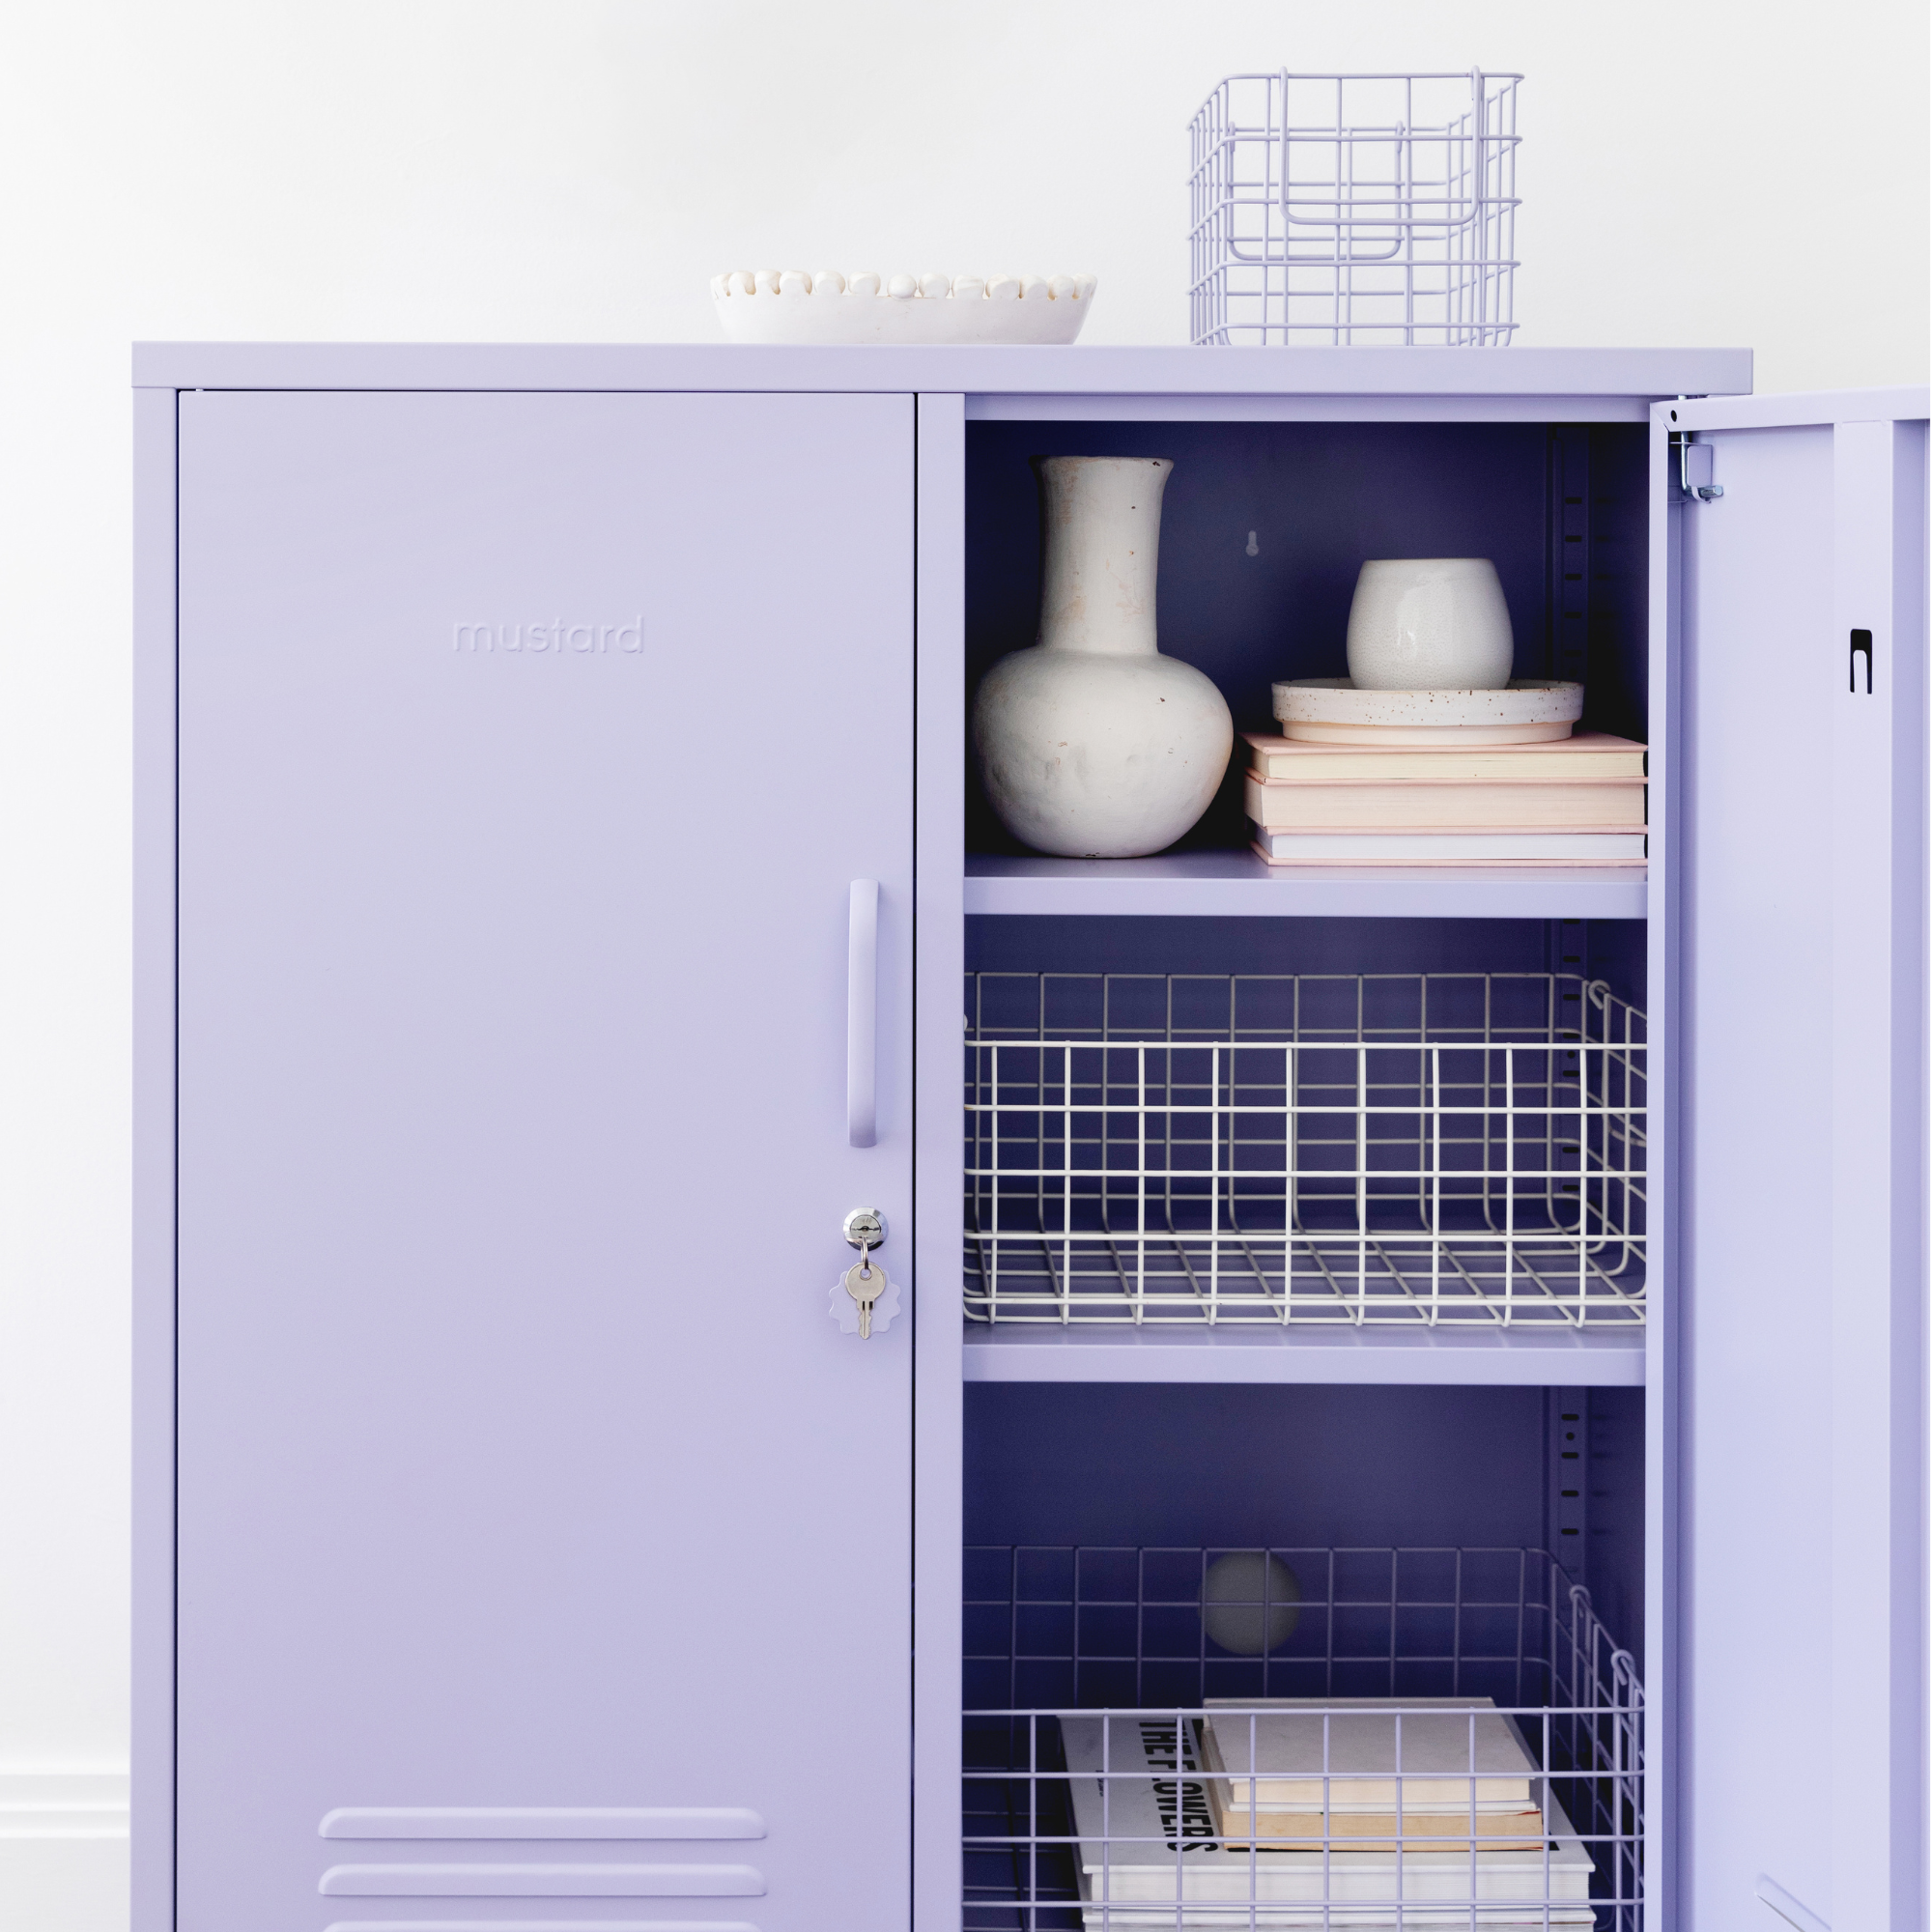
(1313, 1812)
(1576, 801)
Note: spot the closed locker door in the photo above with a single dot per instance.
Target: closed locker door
(543, 1540)
(1796, 1397)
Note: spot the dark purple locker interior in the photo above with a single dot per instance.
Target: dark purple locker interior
(1091, 1509)
(1305, 1465)
(1296, 1464)
(1561, 509)
(1609, 949)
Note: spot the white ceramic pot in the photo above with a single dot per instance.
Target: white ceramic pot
(1429, 623)
(1091, 744)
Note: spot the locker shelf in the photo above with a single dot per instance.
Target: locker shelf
(1586, 1357)
(1237, 885)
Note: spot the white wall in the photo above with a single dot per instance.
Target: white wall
(1693, 172)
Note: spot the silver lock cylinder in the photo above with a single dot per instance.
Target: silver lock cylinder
(865, 1228)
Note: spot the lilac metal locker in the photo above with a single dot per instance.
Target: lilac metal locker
(519, 1462)
(540, 1534)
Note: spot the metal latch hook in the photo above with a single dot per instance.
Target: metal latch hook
(1696, 462)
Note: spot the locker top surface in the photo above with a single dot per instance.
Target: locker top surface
(1635, 376)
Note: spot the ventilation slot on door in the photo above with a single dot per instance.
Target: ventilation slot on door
(1466, 1747)
(1376, 1149)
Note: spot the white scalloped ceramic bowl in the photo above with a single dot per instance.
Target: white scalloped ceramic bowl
(1336, 711)
(838, 313)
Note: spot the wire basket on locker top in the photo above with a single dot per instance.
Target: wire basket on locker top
(1093, 1689)
(1341, 208)
(1417, 1148)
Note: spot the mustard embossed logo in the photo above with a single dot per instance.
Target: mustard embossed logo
(555, 638)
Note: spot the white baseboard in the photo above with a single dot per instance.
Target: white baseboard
(42, 1805)
(73, 1885)
(63, 1849)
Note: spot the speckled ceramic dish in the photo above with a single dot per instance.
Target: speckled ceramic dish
(797, 305)
(1333, 711)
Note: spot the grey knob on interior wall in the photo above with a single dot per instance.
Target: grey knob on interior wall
(1091, 744)
(1250, 1602)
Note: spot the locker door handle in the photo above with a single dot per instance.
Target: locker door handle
(1861, 643)
(861, 1015)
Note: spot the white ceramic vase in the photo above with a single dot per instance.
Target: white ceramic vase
(1429, 623)
(1091, 744)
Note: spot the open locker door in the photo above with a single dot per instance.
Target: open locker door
(1792, 860)
(543, 1542)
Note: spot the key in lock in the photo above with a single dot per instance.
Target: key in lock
(865, 1283)
(865, 1286)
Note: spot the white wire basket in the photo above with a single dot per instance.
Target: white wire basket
(1430, 1150)
(1093, 1692)
(1091, 1680)
(1355, 208)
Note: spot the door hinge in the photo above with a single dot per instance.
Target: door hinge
(1694, 464)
